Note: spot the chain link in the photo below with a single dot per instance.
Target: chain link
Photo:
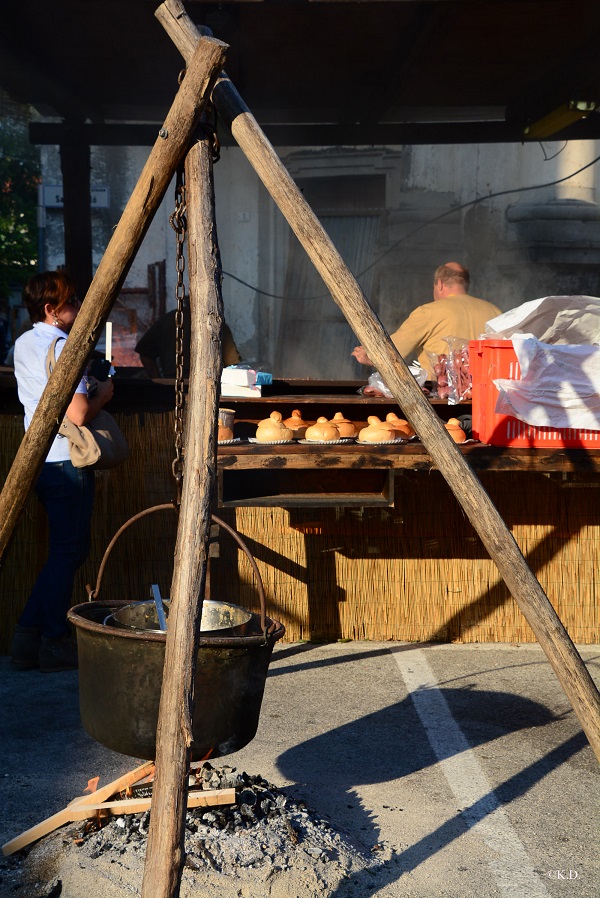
(178, 221)
(210, 127)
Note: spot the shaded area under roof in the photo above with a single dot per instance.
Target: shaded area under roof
(399, 71)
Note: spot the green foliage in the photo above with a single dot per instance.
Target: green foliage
(19, 178)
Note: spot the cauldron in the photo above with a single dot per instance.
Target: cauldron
(218, 618)
(120, 679)
(121, 670)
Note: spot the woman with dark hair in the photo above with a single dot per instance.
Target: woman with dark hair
(42, 636)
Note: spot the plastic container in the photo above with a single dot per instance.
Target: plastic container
(490, 360)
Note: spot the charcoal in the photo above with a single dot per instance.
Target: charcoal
(231, 781)
(247, 797)
(266, 833)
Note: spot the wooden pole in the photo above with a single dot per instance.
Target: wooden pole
(168, 151)
(165, 851)
(485, 518)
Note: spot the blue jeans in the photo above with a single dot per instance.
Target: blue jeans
(67, 494)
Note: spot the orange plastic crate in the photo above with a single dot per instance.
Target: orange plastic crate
(490, 360)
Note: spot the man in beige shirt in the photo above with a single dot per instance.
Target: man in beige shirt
(453, 313)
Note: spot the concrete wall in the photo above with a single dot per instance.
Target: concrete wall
(519, 245)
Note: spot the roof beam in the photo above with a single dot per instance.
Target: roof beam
(319, 134)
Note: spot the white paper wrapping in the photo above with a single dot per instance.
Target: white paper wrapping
(559, 386)
(552, 319)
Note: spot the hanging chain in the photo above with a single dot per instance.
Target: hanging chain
(209, 126)
(178, 222)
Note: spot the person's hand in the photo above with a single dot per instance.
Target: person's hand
(373, 391)
(84, 406)
(361, 356)
(105, 391)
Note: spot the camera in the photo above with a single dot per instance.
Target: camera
(101, 369)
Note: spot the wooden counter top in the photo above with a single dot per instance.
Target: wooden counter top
(411, 455)
(297, 474)
(308, 401)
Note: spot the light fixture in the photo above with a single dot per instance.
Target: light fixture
(560, 118)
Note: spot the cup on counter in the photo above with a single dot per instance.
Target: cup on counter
(226, 417)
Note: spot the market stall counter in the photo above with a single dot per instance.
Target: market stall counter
(349, 472)
(352, 541)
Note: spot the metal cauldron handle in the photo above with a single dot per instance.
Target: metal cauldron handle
(93, 592)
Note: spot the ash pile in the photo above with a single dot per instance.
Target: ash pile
(264, 829)
(266, 840)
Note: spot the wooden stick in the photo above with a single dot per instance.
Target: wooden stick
(165, 156)
(165, 851)
(82, 803)
(198, 799)
(523, 585)
(79, 810)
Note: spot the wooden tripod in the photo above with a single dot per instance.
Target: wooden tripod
(165, 856)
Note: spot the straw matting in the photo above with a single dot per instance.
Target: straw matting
(417, 571)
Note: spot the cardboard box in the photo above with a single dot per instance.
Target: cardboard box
(490, 360)
(241, 377)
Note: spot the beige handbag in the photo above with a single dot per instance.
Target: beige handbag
(99, 442)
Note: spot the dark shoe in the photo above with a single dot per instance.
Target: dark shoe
(58, 654)
(25, 647)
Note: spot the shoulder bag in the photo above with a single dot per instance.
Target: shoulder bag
(99, 442)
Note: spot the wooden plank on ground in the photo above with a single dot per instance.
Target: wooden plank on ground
(195, 799)
(82, 803)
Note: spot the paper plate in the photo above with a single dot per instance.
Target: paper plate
(326, 442)
(269, 442)
(380, 442)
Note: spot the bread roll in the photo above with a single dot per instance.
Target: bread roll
(455, 430)
(323, 431)
(377, 431)
(272, 429)
(400, 425)
(345, 427)
(295, 423)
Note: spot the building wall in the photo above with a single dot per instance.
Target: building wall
(469, 203)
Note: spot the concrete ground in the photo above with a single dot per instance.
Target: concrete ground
(464, 764)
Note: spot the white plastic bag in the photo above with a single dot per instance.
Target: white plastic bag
(376, 381)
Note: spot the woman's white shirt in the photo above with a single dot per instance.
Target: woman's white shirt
(31, 350)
